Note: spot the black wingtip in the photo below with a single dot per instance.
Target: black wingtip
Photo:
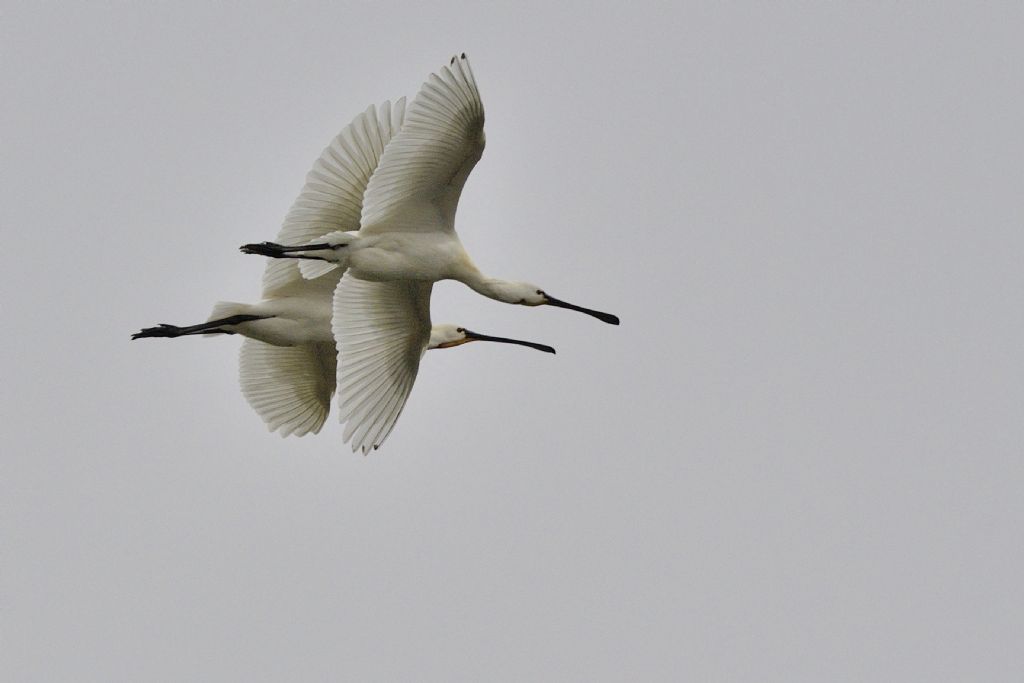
(452, 62)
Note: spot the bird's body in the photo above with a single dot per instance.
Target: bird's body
(420, 256)
(300, 318)
(290, 321)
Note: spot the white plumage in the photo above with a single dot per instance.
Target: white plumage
(406, 242)
(288, 366)
(382, 330)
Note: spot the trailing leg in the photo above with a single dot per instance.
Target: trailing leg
(274, 250)
(210, 327)
(330, 247)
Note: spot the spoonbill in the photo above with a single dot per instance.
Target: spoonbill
(407, 228)
(288, 363)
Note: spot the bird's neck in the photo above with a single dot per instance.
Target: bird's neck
(493, 288)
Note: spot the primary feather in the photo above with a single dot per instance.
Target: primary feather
(332, 198)
(382, 330)
(422, 172)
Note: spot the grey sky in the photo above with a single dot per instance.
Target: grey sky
(798, 459)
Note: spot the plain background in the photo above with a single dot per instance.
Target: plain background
(798, 459)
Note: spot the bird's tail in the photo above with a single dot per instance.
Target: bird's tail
(312, 269)
(226, 309)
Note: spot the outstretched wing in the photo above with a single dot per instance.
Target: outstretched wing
(382, 330)
(289, 386)
(332, 198)
(423, 170)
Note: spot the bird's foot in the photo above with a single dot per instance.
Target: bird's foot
(271, 249)
(161, 330)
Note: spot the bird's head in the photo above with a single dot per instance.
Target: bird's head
(526, 294)
(447, 336)
(532, 295)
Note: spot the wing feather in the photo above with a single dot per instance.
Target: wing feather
(422, 172)
(382, 330)
(290, 387)
(332, 198)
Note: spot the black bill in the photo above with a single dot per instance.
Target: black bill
(604, 317)
(474, 336)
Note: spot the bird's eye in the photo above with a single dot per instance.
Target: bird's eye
(541, 292)
(460, 330)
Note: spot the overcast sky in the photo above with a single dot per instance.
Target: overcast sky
(799, 458)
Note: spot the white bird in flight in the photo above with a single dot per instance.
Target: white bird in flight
(288, 363)
(405, 243)
(407, 228)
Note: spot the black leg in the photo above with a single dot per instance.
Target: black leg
(274, 250)
(211, 327)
